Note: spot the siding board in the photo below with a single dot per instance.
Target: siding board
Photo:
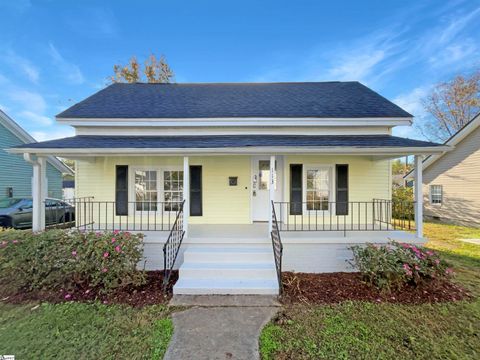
(458, 171)
(15, 172)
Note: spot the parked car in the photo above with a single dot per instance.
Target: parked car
(17, 212)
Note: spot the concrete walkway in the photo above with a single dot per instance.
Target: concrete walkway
(218, 332)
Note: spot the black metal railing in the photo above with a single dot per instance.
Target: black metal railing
(277, 247)
(400, 214)
(91, 215)
(61, 214)
(172, 246)
(375, 215)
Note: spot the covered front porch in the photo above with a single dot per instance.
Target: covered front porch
(232, 218)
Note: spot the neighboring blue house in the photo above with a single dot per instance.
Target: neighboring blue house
(15, 172)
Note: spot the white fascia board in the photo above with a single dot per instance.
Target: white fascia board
(237, 151)
(227, 122)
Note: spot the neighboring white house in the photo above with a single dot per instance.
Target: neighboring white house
(307, 163)
(451, 181)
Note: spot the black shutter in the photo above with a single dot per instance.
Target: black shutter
(121, 190)
(342, 189)
(296, 189)
(195, 190)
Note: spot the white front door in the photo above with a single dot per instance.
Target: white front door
(260, 188)
(261, 207)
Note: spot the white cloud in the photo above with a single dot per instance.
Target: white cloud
(35, 117)
(70, 71)
(28, 100)
(56, 132)
(412, 101)
(22, 64)
(357, 66)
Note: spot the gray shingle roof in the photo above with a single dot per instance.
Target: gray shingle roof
(226, 141)
(227, 100)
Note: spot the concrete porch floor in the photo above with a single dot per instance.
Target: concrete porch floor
(257, 233)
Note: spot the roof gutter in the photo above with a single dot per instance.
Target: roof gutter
(400, 151)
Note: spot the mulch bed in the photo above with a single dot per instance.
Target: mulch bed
(148, 294)
(327, 288)
(332, 288)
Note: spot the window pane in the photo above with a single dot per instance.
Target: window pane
(318, 191)
(173, 190)
(146, 190)
(263, 174)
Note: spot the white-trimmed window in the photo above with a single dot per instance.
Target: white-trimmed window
(436, 194)
(146, 190)
(153, 186)
(172, 189)
(318, 188)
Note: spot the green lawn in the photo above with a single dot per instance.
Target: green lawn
(358, 330)
(84, 331)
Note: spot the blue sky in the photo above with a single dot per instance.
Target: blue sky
(55, 53)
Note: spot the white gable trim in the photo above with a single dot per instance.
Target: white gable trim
(452, 142)
(26, 138)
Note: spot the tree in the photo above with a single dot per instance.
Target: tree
(452, 104)
(400, 167)
(154, 71)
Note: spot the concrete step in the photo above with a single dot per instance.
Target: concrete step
(226, 270)
(212, 286)
(194, 254)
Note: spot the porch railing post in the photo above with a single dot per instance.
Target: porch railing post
(272, 190)
(186, 194)
(418, 187)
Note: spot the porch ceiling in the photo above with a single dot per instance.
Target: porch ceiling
(94, 145)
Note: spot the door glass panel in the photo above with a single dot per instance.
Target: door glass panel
(263, 174)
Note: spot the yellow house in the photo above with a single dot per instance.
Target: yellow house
(220, 176)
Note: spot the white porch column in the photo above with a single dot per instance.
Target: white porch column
(39, 191)
(186, 194)
(271, 192)
(418, 192)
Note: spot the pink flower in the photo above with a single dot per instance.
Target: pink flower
(113, 240)
(67, 296)
(87, 291)
(98, 233)
(105, 254)
(407, 269)
(430, 253)
(74, 253)
(104, 270)
(105, 301)
(4, 243)
(448, 271)
(437, 261)
(116, 232)
(118, 248)
(15, 241)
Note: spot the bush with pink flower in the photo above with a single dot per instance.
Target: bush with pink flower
(391, 266)
(70, 260)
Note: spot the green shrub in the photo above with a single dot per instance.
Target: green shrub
(396, 264)
(70, 260)
(403, 203)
